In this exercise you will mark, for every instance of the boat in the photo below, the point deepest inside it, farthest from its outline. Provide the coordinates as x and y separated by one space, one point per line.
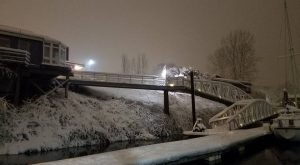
287 124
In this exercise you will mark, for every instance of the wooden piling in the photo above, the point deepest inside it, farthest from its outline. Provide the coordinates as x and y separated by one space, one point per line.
67 87
166 102
18 87
193 96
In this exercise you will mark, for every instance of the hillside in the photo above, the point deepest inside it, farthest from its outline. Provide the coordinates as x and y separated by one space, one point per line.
98 116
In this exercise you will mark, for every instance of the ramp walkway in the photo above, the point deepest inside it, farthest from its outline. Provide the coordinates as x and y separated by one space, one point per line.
243 113
214 90
243 110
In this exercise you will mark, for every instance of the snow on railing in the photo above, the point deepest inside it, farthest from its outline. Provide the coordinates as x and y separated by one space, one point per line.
222 90
14 55
119 78
255 111
243 113
219 89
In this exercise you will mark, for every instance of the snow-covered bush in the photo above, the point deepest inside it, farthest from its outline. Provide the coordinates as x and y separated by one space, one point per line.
5 109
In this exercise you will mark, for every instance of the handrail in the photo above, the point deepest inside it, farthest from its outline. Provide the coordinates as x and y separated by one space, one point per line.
254 111
119 78
243 113
222 90
218 89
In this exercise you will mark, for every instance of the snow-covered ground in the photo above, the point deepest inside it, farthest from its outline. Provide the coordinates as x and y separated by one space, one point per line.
99 116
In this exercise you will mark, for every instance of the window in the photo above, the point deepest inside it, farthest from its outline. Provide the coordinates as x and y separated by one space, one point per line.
47 52
55 55
62 55
46 61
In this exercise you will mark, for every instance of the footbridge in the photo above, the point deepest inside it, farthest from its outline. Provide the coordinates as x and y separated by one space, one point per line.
214 90
243 110
243 113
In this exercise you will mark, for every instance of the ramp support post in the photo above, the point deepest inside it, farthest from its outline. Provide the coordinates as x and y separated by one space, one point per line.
18 87
67 87
193 96
166 102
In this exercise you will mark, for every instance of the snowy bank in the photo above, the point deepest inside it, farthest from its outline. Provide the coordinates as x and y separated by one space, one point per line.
109 115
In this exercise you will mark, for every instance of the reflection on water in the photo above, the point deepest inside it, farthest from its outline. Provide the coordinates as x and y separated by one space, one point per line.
30 158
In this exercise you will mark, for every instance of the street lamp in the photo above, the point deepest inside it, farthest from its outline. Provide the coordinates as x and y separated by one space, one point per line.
90 63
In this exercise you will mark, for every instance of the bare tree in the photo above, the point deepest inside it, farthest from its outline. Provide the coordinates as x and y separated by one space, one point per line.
125 64
137 65
235 58
143 65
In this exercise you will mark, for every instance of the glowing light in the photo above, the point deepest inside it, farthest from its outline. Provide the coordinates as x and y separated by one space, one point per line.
90 62
78 67
164 72
171 85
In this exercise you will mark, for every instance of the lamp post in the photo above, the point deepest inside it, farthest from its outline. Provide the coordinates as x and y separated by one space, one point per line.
90 63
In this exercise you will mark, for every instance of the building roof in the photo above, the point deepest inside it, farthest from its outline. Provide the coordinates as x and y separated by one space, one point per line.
26 34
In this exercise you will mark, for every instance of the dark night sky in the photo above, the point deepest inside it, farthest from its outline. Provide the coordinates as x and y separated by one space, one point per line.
184 32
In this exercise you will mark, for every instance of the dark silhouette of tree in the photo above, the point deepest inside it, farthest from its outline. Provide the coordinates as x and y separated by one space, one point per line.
137 65
235 59
125 64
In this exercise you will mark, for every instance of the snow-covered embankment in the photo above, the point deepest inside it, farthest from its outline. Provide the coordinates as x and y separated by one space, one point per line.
109 115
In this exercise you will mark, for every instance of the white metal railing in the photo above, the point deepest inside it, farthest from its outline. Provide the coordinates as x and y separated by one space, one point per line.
14 55
119 78
243 113
218 89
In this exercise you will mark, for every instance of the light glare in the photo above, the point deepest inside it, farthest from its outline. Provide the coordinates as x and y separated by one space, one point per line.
164 72
91 62
78 67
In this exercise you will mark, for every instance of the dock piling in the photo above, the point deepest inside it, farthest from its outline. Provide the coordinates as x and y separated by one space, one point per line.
18 87
166 102
67 87
193 96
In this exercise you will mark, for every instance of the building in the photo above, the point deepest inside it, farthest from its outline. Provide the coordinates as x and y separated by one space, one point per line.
34 61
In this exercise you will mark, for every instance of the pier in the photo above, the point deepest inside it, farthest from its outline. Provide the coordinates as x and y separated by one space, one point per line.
209 147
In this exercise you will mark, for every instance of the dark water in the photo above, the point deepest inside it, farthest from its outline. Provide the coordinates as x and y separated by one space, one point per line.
30 158
266 151
275 152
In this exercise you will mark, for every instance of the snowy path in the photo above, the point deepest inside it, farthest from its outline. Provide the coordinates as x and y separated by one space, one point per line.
171 151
